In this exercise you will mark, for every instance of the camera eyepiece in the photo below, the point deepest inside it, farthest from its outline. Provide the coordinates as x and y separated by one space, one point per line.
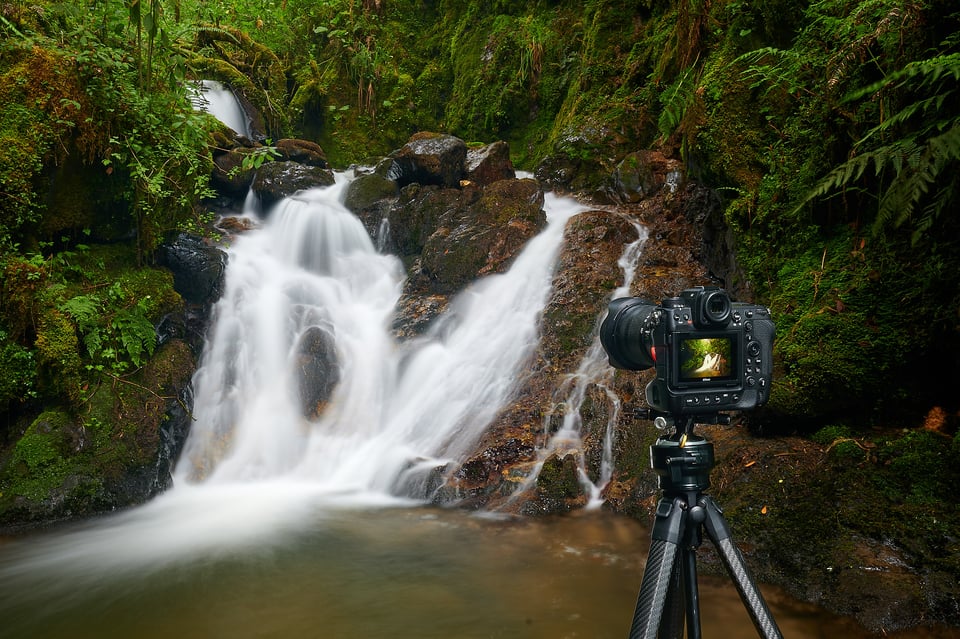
711 306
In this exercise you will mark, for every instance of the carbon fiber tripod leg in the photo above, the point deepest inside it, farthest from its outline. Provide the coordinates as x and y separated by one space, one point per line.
657 579
658 575
719 533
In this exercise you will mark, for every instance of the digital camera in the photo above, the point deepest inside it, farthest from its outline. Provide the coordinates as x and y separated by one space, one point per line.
710 354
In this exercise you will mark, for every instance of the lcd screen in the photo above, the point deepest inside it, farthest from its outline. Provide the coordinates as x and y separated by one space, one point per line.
706 359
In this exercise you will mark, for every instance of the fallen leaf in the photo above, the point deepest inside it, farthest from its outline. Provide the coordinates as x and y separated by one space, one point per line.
763 511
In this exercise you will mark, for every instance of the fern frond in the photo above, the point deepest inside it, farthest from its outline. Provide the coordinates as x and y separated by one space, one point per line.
910 186
772 67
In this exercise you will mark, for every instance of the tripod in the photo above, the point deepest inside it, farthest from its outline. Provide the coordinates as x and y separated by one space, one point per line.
683 462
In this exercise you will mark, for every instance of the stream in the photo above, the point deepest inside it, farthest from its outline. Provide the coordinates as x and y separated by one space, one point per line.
283 526
309 566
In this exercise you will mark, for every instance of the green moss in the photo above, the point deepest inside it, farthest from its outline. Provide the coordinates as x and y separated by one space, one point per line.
918 467
39 464
19 367
559 478
58 353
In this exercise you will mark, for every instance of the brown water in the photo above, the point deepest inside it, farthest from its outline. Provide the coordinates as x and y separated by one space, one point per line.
394 572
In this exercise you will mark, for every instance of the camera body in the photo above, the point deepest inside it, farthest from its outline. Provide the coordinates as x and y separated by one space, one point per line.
710 354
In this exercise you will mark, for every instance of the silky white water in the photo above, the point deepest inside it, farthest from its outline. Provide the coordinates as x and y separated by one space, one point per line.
593 370
254 470
397 406
218 100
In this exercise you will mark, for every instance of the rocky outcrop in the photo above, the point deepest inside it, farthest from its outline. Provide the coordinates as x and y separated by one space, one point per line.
452 214
280 170
429 159
277 180
198 268
317 370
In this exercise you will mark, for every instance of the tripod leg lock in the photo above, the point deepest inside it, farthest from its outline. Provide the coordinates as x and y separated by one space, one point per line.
669 523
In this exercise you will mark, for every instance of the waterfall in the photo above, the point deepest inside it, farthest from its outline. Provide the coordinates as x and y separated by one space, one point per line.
218 100
593 370
313 270
309 290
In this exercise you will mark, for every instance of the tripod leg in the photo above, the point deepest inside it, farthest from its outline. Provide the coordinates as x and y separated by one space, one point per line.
719 532
659 571
671 622
692 590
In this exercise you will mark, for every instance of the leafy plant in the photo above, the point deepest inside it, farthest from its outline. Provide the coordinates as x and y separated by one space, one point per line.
258 157
914 152
116 339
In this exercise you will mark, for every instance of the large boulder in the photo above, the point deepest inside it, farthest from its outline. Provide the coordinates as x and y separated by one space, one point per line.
302 152
277 180
119 452
369 196
488 164
462 235
198 268
429 158
483 237
318 372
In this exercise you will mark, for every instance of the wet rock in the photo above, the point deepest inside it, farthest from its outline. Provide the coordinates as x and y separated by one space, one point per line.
198 268
229 177
118 454
277 180
583 162
318 372
586 274
416 312
642 173
559 478
417 214
233 225
367 191
479 474
717 246
429 158
302 152
481 237
488 164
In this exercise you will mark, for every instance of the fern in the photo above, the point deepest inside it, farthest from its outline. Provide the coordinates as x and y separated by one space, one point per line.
923 150
136 333
128 336
85 311
775 68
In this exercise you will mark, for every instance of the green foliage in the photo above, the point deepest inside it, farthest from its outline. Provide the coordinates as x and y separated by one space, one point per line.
919 146
258 157
94 313
918 467
19 372
116 338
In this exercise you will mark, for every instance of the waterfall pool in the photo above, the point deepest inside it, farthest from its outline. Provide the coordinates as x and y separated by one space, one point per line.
312 568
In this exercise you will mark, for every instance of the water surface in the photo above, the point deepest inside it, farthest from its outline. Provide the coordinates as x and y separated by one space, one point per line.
352 572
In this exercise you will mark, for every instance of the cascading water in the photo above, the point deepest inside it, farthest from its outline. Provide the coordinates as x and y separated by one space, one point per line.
594 370
218 100
252 540
395 407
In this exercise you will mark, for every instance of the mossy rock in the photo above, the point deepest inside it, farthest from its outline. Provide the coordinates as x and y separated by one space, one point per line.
45 475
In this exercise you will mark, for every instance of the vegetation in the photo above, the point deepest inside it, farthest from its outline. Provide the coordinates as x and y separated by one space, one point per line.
830 127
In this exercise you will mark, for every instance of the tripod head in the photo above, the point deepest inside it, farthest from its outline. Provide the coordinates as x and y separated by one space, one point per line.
682 460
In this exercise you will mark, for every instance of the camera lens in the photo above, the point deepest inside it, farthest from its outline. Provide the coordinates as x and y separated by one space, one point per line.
715 307
622 334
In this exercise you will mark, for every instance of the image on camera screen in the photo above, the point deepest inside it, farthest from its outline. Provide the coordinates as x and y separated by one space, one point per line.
703 358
